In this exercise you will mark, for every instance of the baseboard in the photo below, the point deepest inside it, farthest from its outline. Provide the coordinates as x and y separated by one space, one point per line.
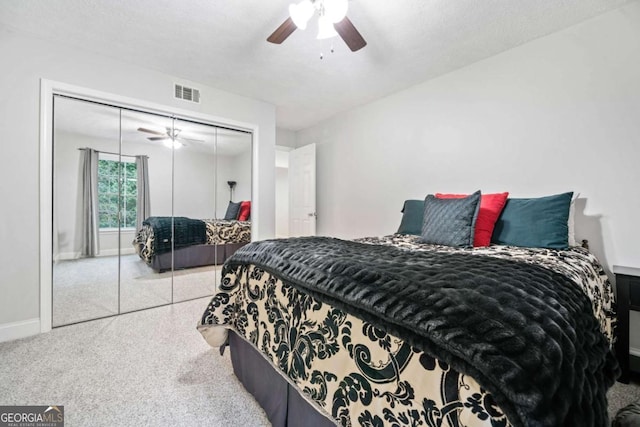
22 329
114 252
68 256
634 351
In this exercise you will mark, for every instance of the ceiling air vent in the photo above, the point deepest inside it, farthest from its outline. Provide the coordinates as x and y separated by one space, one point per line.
187 93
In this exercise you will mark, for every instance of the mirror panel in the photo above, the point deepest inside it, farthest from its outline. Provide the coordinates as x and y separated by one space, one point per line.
195 261
234 165
146 175
85 211
233 190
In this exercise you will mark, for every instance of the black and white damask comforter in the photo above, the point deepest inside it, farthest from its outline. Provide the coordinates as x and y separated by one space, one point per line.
215 232
433 336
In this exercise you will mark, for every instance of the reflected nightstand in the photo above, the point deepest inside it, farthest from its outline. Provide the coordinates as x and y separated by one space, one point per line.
628 290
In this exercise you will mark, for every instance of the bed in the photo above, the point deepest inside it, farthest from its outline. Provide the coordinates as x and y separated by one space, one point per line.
196 243
394 331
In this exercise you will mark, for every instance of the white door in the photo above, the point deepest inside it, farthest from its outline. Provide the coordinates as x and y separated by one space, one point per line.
302 191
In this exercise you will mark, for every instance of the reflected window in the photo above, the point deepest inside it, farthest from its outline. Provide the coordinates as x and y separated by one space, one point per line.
110 198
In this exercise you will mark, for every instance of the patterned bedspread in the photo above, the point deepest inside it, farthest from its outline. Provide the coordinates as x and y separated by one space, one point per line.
358 374
219 231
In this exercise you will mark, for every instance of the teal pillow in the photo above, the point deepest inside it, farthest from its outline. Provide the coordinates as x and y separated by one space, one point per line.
412 213
450 222
535 223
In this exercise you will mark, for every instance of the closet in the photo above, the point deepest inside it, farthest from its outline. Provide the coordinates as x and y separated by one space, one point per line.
118 171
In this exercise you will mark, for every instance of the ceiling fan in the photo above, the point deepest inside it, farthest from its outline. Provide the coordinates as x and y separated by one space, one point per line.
171 137
332 21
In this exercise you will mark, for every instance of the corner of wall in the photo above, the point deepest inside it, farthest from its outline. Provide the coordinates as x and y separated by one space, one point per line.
285 138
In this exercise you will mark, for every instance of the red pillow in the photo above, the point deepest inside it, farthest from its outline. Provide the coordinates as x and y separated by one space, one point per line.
491 206
245 211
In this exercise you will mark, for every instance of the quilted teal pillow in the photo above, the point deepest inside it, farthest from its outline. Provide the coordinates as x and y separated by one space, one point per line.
535 223
412 213
450 222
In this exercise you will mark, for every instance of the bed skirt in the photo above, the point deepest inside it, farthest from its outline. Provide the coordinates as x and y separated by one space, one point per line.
280 400
195 256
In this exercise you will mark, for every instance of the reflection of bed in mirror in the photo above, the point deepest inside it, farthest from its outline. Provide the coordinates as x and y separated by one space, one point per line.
112 168
196 242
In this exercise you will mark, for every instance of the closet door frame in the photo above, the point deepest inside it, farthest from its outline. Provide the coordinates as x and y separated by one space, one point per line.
49 88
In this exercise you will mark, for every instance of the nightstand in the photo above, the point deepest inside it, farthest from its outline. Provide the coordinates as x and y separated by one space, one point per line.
628 290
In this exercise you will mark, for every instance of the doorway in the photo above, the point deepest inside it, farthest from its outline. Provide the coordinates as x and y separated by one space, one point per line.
295 191
282 192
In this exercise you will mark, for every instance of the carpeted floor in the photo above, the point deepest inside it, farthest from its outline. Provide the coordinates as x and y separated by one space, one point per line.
145 368
87 288
621 395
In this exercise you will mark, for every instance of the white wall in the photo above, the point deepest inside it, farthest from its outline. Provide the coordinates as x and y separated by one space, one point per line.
242 175
282 185
556 114
285 142
225 173
285 138
193 184
27 60
282 202
234 168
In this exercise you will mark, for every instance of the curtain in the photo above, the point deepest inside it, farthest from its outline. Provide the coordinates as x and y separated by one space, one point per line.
143 210
90 241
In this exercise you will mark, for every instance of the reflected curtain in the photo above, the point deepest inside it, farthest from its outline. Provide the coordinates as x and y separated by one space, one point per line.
143 210
90 238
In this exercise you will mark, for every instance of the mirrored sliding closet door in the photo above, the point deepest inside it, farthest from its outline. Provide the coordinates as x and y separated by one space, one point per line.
232 230
146 273
139 208
86 189
206 159
194 203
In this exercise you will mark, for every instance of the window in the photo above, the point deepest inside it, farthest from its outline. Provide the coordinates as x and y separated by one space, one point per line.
115 195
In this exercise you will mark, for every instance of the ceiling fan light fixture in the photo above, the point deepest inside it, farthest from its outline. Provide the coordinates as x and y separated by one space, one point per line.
301 13
325 28
335 10
332 21
169 143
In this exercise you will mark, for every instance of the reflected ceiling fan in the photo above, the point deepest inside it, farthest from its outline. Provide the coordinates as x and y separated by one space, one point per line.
332 21
170 137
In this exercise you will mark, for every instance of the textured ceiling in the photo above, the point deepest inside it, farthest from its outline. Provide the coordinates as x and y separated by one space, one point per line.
222 43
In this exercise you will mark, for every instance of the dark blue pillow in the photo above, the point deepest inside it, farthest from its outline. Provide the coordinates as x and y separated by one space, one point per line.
535 223
450 222
232 210
412 214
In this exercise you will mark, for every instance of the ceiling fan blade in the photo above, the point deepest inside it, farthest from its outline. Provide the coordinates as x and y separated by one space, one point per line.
155 132
190 139
350 35
282 32
157 138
